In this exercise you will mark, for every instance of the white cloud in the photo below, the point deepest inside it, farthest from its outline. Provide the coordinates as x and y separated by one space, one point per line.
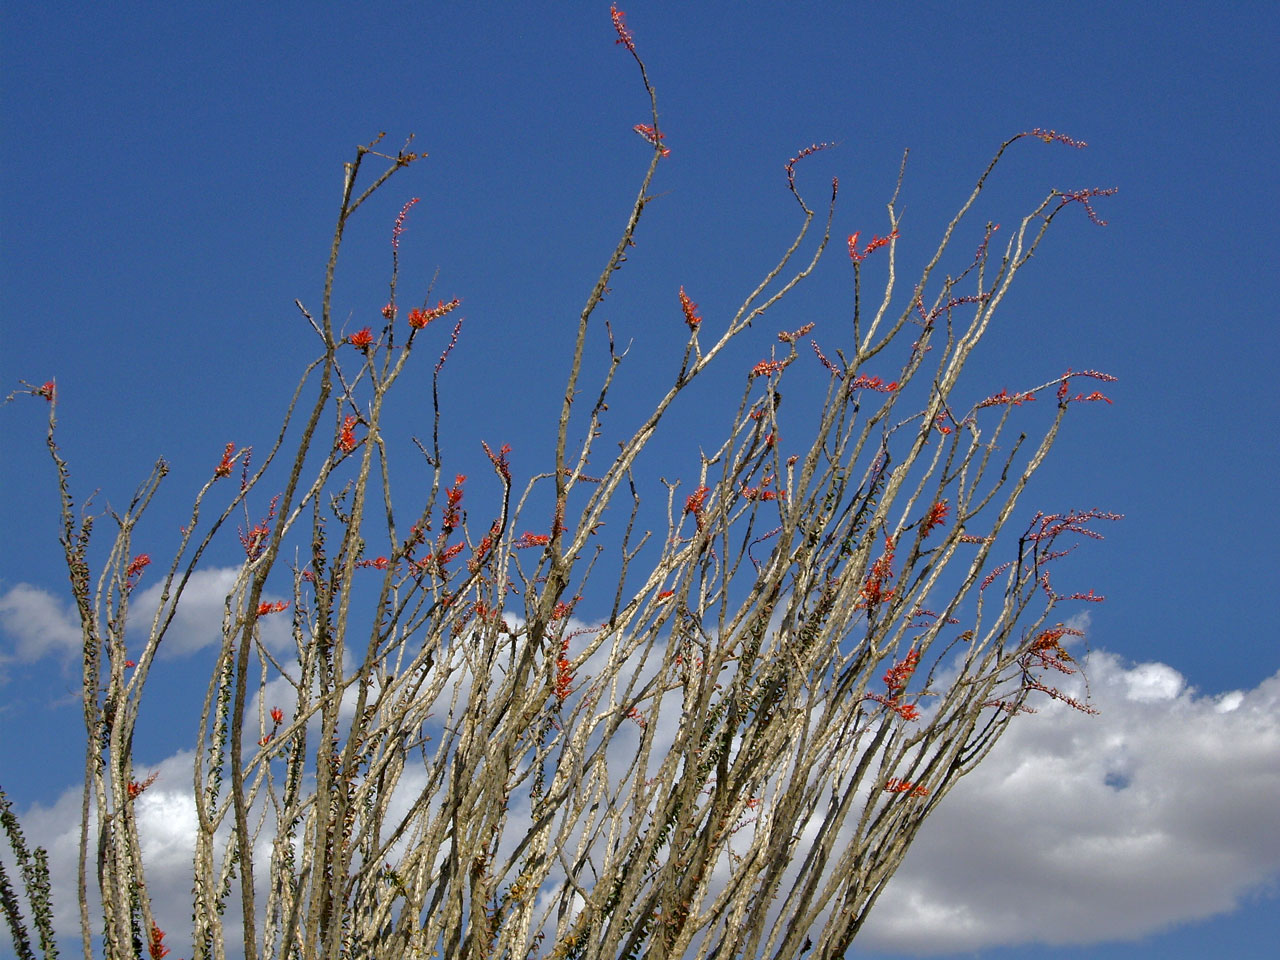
198 620
1075 830
38 623
1078 829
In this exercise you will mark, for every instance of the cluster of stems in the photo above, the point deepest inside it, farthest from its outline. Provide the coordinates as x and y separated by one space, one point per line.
730 759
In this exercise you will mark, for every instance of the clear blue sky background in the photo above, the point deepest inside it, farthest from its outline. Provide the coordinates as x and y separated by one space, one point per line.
172 171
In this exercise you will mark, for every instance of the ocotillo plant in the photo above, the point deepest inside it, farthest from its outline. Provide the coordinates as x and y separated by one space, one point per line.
801 660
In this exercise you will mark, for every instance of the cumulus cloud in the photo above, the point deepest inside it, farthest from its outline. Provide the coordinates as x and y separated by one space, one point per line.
1075 830
198 621
1078 829
39 625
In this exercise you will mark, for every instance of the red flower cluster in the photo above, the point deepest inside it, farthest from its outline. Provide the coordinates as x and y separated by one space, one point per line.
563 608
690 310
694 502
619 24
767 368
990 578
135 568
528 540
399 226
482 549
762 492
794 335
875 244
863 382
1093 374
453 499
259 533
896 785
134 788
1096 395
1052 524
347 439
48 390
279 606
1083 197
224 465
155 943
448 553
898 675
790 165
873 591
419 318
936 517
1049 136
361 338
1004 397
499 459
652 135
564 676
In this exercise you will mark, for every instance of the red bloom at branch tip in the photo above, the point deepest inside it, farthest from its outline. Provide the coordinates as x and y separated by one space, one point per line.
419 318
792 336
135 568
347 439
1004 397
449 553
881 574
224 465
936 517
897 785
258 535
1083 197
690 310
361 338
864 382
266 607
48 390
620 25
389 311
654 137
694 502
875 244
399 226
766 368
277 715
499 459
1091 597
1049 136
897 676
155 943
790 165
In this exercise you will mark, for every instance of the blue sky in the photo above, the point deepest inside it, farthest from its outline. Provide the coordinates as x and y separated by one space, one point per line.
172 178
